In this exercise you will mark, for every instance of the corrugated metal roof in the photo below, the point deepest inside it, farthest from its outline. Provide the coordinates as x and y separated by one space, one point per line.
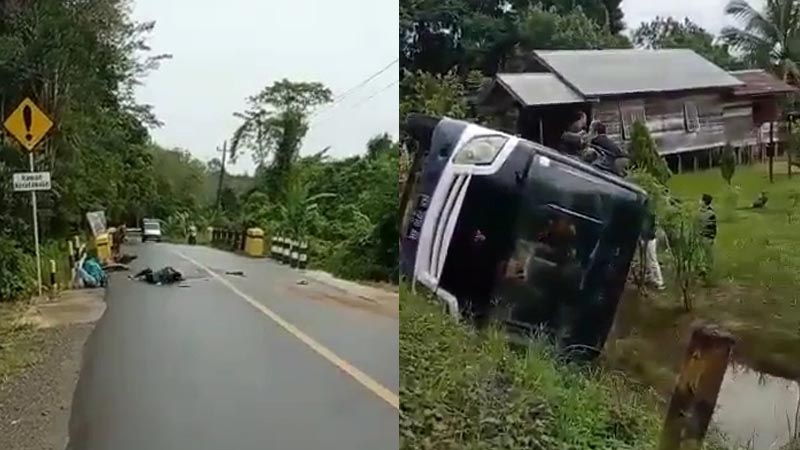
535 89
760 82
628 71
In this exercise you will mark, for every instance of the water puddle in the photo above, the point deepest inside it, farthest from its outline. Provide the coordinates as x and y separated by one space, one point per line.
756 410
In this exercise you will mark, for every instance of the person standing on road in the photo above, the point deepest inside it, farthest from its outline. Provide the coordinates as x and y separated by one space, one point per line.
192 234
708 232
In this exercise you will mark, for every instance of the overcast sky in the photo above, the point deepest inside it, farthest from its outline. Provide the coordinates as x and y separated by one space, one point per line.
226 51
706 13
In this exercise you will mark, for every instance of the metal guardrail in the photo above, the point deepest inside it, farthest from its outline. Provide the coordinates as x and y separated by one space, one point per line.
289 251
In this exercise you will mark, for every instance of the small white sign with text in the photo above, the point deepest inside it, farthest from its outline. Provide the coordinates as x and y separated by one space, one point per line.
32 181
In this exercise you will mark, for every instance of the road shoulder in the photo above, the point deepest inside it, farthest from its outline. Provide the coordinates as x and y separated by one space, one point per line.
36 396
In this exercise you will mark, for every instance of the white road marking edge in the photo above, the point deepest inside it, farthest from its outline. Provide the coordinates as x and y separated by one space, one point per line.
361 377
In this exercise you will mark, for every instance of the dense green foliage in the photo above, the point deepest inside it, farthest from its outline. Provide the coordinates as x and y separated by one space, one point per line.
727 163
644 153
346 209
439 36
667 32
463 390
767 38
273 128
79 61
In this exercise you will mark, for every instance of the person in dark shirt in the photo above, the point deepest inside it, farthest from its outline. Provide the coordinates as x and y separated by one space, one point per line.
167 275
708 232
614 158
574 139
709 218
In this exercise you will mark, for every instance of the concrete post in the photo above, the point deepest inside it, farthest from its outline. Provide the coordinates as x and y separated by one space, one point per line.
695 395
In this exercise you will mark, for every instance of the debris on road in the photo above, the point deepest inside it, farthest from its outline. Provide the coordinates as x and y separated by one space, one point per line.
237 273
302 282
90 274
116 267
125 258
167 275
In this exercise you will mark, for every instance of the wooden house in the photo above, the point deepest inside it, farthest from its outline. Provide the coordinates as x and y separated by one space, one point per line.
691 107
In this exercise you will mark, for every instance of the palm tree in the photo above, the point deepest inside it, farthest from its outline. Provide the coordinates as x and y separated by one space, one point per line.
299 210
251 132
769 39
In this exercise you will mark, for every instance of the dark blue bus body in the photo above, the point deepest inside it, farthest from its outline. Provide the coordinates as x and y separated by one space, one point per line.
502 228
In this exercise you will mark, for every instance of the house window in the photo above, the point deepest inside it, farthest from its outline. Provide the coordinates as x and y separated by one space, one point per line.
631 113
691 119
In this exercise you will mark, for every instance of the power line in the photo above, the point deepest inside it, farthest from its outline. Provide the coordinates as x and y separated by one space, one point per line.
338 99
375 94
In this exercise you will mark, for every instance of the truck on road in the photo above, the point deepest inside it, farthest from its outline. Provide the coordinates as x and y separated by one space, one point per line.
151 230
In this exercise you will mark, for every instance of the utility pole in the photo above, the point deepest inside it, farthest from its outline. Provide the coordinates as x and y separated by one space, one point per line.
221 174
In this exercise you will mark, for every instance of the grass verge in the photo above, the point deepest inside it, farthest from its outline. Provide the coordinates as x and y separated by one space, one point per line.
461 389
19 343
753 287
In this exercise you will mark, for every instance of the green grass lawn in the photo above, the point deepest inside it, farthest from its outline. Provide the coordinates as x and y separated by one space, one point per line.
753 290
461 389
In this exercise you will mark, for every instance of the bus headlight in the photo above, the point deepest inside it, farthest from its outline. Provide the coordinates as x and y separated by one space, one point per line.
480 150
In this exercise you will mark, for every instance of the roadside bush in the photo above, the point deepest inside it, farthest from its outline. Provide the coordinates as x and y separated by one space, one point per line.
17 272
463 390
644 153
683 224
727 163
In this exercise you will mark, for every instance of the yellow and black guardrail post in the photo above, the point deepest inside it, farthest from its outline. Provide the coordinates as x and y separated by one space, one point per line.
53 281
293 254
302 260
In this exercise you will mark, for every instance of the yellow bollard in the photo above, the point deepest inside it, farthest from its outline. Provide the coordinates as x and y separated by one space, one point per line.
254 243
103 246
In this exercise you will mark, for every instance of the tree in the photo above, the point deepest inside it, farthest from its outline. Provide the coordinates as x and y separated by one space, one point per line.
605 13
80 62
437 95
275 124
299 211
464 35
727 164
667 32
682 224
380 144
644 154
769 39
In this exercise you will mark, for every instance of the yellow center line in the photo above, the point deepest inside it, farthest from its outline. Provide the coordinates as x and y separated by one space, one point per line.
361 377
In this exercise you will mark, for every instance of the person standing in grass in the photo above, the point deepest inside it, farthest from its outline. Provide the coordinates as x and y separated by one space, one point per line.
708 232
649 243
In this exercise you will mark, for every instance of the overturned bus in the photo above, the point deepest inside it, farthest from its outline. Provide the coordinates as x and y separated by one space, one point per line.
503 229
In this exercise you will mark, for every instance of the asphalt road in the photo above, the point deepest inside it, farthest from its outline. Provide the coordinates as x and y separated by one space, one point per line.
237 363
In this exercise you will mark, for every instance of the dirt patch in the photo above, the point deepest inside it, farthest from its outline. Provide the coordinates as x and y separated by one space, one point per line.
71 307
346 299
41 364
